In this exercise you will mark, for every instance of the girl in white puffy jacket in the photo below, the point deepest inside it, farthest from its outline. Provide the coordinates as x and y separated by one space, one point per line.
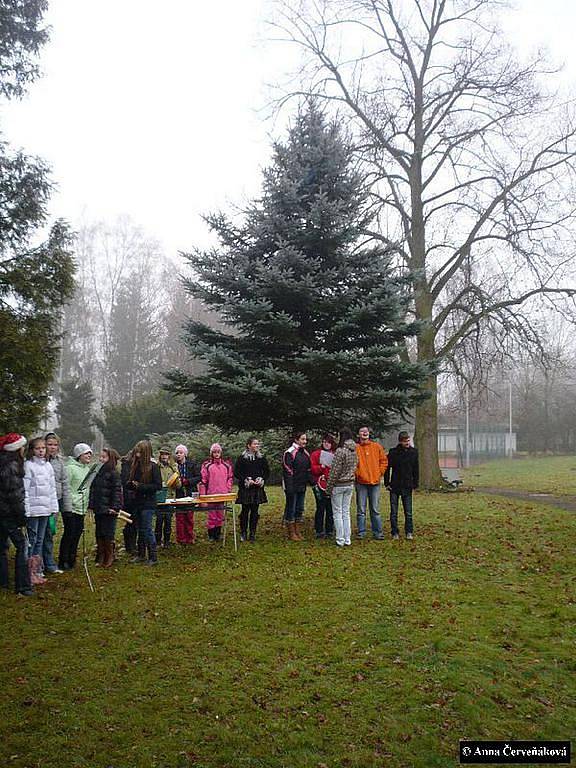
41 501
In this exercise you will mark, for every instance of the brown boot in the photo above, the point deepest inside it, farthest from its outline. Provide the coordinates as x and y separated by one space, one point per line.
108 560
291 529
298 530
99 560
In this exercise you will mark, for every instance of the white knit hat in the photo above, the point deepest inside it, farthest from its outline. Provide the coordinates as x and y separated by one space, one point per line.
80 448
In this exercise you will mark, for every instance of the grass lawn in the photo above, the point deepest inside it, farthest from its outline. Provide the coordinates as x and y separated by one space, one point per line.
548 474
302 655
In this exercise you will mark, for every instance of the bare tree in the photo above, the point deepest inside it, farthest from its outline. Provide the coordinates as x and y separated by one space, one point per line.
470 157
110 319
123 327
180 308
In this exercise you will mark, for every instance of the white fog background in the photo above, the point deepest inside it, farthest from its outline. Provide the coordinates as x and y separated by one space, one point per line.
159 111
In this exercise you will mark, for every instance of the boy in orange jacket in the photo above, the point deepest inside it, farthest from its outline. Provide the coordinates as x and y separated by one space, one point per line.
372 464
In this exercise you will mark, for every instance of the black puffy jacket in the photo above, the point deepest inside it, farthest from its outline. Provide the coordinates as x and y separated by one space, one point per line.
105 491
143 496
12 488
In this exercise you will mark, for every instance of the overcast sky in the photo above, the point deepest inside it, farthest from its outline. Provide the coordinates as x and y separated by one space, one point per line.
156 110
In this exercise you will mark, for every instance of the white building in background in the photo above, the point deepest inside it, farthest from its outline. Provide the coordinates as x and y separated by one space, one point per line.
485 442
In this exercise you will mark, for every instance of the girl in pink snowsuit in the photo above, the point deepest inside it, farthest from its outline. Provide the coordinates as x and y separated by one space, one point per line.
217 477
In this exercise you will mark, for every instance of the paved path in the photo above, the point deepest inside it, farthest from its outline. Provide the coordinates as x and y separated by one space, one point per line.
563 502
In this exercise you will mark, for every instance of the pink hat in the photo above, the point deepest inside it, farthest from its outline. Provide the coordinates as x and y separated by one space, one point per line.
215 447
12 442
181 448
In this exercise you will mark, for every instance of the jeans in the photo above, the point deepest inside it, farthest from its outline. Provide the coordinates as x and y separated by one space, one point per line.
50 564
341 500
406 497
146 538
9 531
368 494
36 527
73 527
130 531
294 509
323 519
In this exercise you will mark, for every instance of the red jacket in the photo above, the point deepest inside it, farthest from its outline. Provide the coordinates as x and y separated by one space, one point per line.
317 470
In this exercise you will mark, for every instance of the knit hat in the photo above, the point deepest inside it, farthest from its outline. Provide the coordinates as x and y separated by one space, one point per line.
79 449
181 448
12 442
215 447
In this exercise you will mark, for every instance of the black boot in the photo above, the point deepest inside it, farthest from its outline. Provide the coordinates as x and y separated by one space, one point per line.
216 533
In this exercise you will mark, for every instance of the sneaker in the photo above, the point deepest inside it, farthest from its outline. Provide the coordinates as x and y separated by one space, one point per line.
138 560
380 537
409 536
360 535
396 537
56 570
25 592
151 562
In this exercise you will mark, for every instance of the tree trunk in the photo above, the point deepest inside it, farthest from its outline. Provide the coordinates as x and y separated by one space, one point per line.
426 434
426 438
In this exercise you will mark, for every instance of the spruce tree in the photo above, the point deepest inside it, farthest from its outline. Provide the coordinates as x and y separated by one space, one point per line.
313 319
74 411
36 279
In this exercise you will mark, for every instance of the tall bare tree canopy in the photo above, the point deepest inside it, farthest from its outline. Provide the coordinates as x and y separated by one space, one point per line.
470 158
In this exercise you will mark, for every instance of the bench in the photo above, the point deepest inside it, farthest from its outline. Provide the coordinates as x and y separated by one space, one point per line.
452 477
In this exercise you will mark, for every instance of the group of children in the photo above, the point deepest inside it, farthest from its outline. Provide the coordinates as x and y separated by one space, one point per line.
38 485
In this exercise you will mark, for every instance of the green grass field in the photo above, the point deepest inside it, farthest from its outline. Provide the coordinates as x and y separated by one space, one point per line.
302 655
548 474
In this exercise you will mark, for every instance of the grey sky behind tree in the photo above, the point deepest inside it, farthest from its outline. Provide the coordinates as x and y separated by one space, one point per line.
160 114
